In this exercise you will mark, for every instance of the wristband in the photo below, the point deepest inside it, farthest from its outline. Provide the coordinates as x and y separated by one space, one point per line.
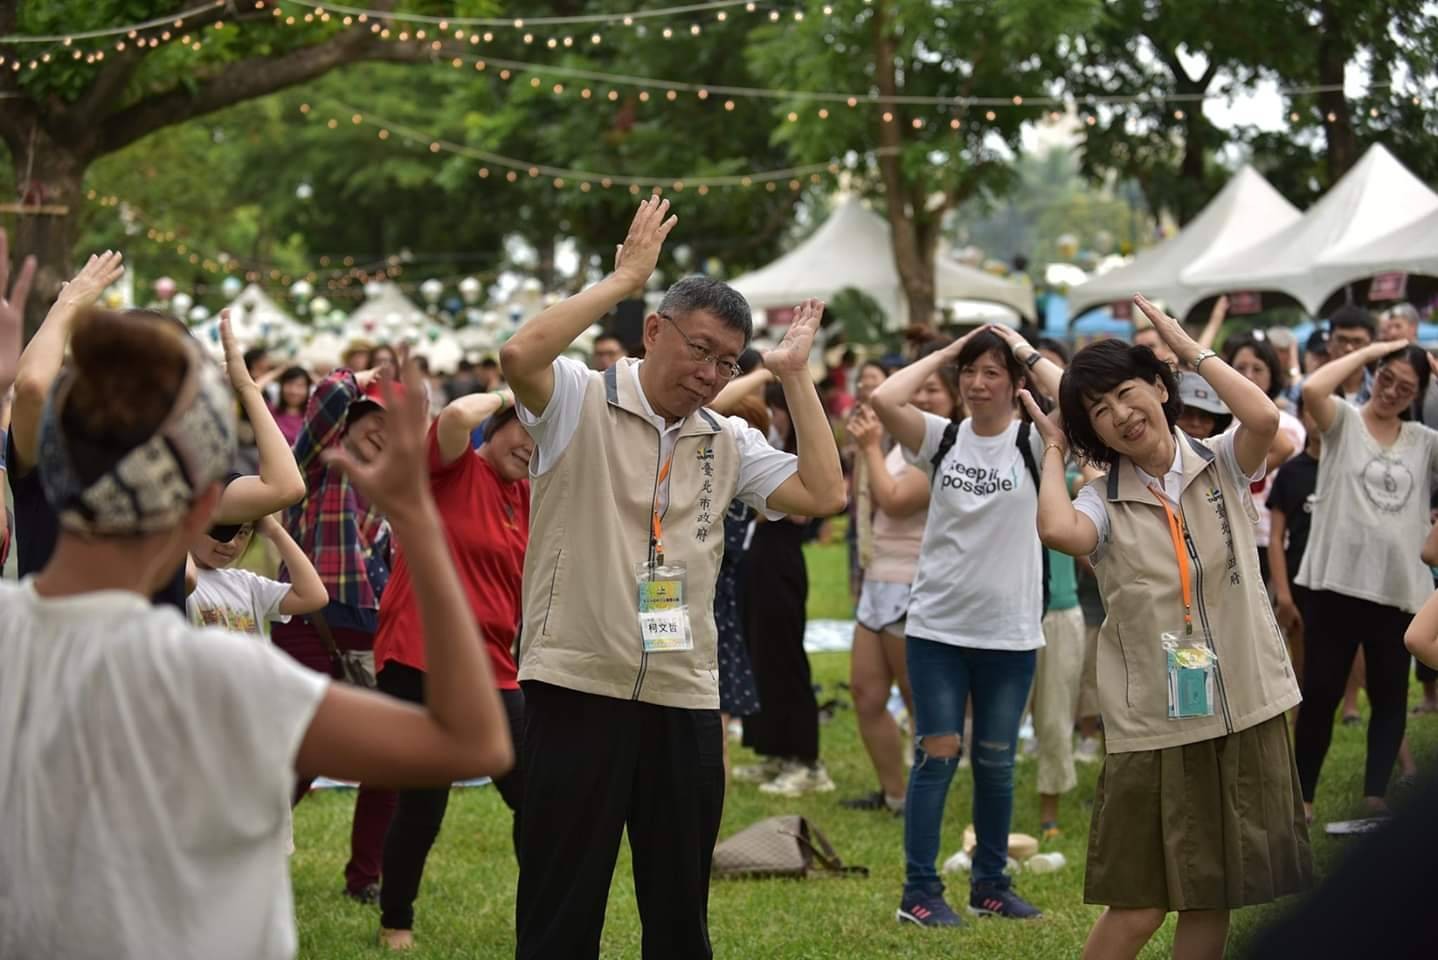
1054 445
503 401
1032 360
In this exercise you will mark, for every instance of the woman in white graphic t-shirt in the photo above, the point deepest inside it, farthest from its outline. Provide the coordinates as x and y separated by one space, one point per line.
1363 565
975 609
146 764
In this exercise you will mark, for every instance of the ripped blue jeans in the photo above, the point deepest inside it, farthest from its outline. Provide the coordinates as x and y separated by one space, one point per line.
942 677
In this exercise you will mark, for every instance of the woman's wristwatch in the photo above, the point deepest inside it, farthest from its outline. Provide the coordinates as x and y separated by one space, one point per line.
1032 360
1202 356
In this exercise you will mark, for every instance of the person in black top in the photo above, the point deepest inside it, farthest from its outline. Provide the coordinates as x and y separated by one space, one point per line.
1290 506
36 525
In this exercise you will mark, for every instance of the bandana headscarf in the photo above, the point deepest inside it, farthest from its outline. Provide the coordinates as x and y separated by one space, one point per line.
153 485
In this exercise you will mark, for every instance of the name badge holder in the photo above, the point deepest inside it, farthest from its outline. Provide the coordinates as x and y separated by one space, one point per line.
1191 682
660 592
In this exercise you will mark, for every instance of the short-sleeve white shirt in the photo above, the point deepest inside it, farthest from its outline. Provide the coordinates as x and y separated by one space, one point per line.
762 469
146 767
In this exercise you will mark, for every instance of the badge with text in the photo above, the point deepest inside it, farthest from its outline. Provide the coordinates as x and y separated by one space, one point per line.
663 613
1191 687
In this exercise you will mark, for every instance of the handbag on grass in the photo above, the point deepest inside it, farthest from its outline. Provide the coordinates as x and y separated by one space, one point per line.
788 846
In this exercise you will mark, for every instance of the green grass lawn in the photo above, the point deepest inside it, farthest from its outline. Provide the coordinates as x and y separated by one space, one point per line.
466 907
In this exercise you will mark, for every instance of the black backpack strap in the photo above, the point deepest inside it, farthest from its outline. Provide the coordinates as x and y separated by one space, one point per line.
1027 452
946 443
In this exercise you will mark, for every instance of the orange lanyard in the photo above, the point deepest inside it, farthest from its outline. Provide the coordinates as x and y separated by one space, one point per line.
1175 532
657 526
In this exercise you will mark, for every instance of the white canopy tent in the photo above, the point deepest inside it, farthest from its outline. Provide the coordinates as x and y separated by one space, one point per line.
1410 249
255 318
1306 260
1246 212
386 314
852 249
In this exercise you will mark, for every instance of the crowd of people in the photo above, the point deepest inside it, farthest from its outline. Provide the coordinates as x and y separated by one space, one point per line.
582 579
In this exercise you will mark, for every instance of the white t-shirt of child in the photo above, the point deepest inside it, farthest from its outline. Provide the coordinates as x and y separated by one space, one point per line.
236 600
980 572
145 776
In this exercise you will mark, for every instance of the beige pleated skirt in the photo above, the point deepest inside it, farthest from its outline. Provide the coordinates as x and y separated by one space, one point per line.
1214 825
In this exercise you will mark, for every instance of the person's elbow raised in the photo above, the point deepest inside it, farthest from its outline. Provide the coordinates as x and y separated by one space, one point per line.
511 360
1415 644
493 756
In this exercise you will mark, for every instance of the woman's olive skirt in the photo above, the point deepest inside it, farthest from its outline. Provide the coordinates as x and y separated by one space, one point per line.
1213 825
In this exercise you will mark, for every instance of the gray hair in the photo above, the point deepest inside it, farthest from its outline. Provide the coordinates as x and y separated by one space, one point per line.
698 292
1405 312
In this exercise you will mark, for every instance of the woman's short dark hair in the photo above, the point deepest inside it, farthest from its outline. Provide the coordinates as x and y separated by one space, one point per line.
1417 358
498 422
1263 350
990 342
1097 369
1055 347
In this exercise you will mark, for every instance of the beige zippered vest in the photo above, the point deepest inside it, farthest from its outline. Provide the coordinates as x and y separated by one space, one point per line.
589 526
1139 579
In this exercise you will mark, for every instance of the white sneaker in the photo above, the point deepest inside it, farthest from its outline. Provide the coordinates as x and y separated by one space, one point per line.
799 779
1089 750
758 772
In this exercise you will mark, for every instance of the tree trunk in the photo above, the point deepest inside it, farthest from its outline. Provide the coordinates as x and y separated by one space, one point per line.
1333 55
916 270
50 178
1195 149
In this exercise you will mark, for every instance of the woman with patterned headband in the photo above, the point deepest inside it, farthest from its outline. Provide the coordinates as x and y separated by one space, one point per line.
146 764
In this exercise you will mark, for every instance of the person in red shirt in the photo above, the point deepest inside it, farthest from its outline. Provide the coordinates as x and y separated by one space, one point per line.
483 498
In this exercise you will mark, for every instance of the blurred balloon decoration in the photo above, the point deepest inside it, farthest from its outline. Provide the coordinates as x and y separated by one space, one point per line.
302 290
471 289
320 306
181 303
431 290
199 313
165 288
231 287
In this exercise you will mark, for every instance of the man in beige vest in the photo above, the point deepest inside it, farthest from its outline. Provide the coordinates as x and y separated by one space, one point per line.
631 478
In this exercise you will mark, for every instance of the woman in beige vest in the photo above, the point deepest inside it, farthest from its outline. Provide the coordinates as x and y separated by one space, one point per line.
1198 807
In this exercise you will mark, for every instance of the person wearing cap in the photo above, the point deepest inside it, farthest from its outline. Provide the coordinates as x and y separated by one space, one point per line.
347 539
631 480
1204 412
245 498
145 763
483 497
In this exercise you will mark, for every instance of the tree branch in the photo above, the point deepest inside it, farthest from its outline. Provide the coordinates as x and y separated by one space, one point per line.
248 79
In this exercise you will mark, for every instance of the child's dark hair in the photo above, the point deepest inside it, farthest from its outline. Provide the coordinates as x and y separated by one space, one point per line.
1263 350
1097 369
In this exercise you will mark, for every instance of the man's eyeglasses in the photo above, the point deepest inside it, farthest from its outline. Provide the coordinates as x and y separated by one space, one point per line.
1349 343
727 369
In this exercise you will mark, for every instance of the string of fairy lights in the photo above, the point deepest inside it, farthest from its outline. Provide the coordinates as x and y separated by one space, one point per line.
447 38
338 271
461 42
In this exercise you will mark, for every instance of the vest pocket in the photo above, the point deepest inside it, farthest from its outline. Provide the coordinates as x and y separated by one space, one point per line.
1127 679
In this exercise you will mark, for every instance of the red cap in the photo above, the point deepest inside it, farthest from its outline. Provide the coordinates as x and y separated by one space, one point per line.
374 393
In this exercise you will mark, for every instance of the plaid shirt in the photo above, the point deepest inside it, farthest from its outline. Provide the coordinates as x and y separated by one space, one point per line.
333 524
